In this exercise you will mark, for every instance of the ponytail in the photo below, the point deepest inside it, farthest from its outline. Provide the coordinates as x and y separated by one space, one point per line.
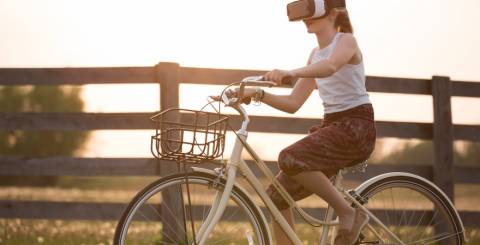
342 23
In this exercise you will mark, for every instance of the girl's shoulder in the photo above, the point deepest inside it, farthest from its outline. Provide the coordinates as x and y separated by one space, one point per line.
348 38
312 54
346 34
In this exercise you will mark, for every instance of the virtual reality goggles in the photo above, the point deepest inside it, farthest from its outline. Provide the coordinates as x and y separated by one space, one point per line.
311 9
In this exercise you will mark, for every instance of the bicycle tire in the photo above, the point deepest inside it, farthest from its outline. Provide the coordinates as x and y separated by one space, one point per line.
444 226
244 211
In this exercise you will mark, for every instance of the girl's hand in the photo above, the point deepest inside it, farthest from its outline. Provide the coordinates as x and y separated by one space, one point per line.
247 93
280 76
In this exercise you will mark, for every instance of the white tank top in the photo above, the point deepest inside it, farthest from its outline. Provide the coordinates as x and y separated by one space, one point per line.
344 89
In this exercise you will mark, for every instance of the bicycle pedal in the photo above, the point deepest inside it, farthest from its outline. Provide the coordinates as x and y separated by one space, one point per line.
367 242
360 239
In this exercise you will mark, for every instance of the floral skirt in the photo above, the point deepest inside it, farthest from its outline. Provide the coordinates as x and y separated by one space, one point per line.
343 139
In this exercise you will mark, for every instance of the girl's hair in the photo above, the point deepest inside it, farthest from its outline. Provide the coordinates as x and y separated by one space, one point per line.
342 23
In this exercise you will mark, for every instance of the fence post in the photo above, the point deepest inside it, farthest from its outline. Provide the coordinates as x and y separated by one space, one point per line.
443 135
166 74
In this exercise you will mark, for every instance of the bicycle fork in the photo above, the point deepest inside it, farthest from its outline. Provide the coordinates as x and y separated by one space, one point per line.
221 197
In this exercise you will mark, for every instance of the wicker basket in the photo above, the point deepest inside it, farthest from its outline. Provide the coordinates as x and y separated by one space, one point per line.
188 136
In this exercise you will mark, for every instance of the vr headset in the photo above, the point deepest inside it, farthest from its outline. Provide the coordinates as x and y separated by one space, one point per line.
312 9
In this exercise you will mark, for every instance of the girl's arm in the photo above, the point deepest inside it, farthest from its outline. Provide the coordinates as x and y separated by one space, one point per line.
292 102
344 52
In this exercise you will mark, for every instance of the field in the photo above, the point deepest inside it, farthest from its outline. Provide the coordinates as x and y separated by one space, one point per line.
22 231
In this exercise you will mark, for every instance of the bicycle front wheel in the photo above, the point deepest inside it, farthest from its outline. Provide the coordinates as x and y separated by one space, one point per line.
173 209
412 209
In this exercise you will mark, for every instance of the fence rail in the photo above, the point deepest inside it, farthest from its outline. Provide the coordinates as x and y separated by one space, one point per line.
120 121
132 75
109 211
169 76
71 166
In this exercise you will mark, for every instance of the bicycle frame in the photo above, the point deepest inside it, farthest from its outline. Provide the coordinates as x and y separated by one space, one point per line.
237 163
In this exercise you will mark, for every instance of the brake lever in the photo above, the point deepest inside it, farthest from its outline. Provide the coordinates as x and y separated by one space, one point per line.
260 81
252 79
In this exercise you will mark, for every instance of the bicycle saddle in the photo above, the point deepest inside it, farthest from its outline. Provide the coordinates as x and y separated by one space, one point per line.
358 167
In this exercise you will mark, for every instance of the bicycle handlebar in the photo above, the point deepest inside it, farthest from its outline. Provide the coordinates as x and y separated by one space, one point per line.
253 81
236 102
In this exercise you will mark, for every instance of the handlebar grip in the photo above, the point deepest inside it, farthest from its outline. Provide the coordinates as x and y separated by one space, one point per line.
245 100
288 80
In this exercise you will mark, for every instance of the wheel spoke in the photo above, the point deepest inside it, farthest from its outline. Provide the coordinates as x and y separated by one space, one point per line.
178 223
427 226
406 204
239 212
418 223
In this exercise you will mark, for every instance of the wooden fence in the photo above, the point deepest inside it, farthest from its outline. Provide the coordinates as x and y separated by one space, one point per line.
169 76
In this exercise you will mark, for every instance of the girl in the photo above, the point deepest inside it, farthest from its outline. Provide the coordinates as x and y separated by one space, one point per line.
347 133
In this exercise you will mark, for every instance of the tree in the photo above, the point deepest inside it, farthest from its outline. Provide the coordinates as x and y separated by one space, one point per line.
422 153
471 157
40 143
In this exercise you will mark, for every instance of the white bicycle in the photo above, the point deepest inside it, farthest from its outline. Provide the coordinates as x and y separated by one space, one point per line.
203 206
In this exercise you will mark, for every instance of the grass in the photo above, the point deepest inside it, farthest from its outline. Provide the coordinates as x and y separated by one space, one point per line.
122 189
18 231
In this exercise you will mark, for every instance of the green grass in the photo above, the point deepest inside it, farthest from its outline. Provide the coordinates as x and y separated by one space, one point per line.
122 189
18 231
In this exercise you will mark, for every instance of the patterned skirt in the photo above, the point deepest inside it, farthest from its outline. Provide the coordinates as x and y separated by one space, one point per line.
343 139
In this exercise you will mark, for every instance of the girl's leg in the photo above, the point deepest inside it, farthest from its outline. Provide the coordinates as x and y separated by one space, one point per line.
280 237
297 192
318 183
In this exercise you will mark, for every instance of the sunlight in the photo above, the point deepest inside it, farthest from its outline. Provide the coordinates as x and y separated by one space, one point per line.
247 35
121 97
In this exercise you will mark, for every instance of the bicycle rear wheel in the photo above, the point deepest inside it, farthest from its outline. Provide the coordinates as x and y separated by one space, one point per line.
413 210
147 221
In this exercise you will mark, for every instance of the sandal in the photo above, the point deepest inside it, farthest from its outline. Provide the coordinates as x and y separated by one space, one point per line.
343 237
349 237
361 219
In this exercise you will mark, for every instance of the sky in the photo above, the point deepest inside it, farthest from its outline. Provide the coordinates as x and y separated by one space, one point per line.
408 38
398 38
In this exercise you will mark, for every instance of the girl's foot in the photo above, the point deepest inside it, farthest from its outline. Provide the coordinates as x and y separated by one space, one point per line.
361 219
350 236
343 237
346 219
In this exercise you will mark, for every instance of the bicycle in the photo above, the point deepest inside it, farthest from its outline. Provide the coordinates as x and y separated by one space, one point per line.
203 206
